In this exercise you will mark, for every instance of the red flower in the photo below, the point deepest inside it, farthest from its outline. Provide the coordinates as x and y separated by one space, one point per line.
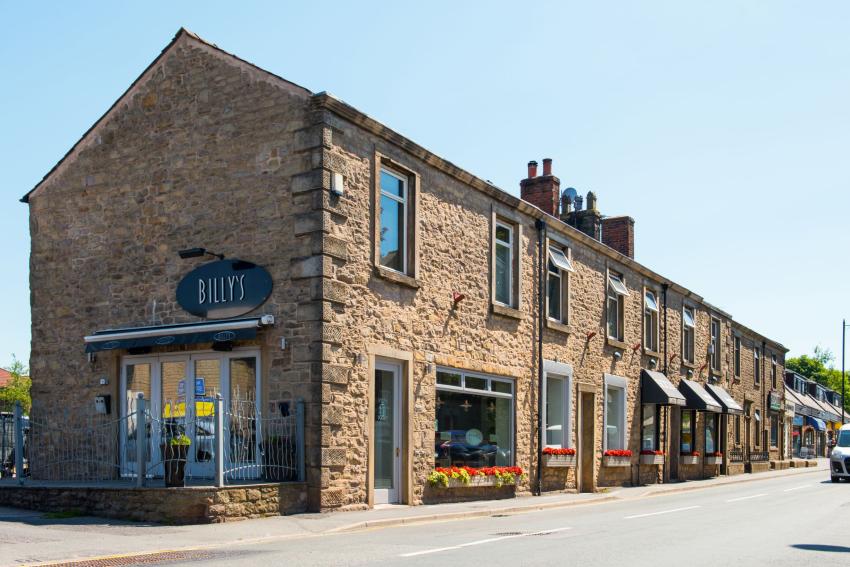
716 454
558 451
486 471
691 454
648 452
618 453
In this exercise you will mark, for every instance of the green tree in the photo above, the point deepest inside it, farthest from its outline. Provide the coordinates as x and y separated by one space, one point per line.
18 388
819 367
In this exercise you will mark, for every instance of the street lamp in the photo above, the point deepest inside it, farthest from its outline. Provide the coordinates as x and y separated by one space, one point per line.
843 335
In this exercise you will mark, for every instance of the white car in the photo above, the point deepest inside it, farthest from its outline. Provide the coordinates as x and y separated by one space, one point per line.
839 460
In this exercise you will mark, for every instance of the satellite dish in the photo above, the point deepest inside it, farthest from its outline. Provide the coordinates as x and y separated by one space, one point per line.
570 193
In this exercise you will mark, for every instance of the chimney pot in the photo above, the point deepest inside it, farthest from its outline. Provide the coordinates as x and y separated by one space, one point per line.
532 169
591 201
547 166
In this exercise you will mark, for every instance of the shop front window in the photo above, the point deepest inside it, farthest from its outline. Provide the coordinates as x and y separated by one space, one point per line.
555 420
711 433
649 428
474 425
615 417
687 432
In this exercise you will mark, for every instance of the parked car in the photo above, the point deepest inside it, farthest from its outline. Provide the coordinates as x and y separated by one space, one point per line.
839 461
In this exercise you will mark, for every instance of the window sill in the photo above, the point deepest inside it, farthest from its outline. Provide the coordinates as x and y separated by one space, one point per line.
397 277
651 353
505 311
557 326
617 344
689 365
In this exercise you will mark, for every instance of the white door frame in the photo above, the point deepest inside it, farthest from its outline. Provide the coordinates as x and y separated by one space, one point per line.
392 495
155 404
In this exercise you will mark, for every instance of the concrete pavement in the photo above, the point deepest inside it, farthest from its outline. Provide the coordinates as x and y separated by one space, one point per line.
30 537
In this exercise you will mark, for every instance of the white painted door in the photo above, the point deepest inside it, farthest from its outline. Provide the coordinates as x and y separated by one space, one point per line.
387 439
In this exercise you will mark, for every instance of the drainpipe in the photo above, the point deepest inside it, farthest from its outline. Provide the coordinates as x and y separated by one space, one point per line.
666 471
540 225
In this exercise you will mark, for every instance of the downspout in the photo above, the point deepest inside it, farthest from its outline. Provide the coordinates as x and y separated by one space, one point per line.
764 414
666 471
540 225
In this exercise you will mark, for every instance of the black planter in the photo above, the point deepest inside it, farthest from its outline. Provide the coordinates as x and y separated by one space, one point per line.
174 459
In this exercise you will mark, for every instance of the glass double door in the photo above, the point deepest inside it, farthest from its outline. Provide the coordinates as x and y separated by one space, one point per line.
180 392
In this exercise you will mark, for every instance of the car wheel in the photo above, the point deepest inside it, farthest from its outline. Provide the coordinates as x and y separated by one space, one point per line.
835 479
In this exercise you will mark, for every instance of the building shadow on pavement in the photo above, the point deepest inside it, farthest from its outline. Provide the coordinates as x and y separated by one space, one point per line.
821 547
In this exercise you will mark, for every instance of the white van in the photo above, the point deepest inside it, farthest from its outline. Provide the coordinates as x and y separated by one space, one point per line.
839 460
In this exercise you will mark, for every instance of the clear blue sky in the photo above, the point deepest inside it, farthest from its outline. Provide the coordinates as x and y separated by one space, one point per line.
723 128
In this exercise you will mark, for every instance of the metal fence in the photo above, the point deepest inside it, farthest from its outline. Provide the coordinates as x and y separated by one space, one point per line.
736 455
759 456
213 444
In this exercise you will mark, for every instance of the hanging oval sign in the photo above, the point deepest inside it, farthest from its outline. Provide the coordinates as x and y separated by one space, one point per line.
223 289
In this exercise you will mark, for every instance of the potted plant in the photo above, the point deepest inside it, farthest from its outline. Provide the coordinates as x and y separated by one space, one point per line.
458 477
559 457
617 458
715 458
174 453
650 457
691 458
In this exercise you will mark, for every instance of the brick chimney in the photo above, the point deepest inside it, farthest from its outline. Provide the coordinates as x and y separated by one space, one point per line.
542 191
619 234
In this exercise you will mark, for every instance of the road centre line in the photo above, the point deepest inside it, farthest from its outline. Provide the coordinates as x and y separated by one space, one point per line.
746 497
481 542
796 488
659 513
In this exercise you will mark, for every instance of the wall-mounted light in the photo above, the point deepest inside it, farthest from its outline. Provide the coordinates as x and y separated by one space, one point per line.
653 363
197 253
690 373
360 359
618 355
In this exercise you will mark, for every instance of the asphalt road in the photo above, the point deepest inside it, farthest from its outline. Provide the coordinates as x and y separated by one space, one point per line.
783 521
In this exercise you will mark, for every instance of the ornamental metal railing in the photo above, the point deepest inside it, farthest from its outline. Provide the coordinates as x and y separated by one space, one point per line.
736 455
759 456
210 445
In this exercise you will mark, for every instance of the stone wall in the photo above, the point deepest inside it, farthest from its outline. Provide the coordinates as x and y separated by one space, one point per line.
163 505
204 150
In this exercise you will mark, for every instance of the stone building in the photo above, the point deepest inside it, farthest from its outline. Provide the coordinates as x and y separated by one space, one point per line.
426 317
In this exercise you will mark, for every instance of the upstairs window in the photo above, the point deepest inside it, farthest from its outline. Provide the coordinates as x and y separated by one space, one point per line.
688 325
650 322
393 220
756 366
616 304
557 295
773 371
715 345
504 252
737 357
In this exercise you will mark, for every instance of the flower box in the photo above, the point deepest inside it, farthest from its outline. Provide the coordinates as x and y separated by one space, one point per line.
714 460
616 461
651 459
689 459
559 460
480 481
463 477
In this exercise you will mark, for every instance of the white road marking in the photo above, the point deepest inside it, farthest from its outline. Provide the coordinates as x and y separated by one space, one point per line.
796 488
481 542
746 497
659 513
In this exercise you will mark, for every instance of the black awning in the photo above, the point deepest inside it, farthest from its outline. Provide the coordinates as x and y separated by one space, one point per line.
697 398
726 400
190 333
655 388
